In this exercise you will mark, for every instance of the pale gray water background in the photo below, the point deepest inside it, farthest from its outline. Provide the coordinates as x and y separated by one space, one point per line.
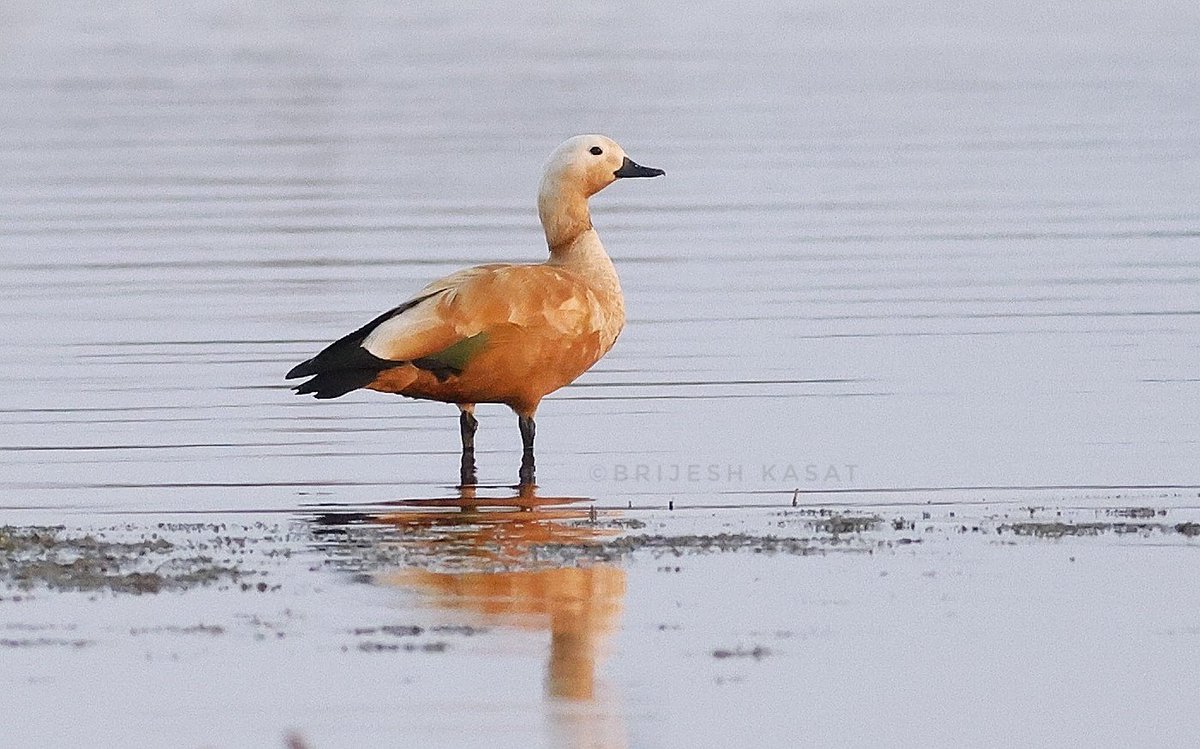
947 249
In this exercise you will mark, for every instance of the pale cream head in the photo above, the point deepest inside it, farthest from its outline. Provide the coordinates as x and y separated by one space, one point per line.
579 168
585 163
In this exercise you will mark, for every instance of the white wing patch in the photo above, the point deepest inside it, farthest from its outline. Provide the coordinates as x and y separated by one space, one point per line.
405 336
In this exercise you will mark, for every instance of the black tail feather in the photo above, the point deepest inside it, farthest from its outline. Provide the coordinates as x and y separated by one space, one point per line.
345 365
337 370
336 384
347 352
303 369
344 354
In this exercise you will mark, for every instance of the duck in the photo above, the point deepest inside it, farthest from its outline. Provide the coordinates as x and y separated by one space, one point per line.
500 333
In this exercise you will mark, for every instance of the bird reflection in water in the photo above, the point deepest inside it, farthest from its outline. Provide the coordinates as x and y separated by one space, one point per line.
508 583
497 562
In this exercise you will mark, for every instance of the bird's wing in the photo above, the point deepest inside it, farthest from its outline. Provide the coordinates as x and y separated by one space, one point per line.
346 351
455 317
443 318
477 306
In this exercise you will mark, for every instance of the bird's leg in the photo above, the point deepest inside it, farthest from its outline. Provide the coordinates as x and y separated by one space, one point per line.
467 424
526 475
527 432
466 471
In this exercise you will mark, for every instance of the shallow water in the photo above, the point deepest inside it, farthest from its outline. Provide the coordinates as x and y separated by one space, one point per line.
906 256
985 624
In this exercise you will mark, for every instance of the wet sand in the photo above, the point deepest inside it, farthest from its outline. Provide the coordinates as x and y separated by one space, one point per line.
911 354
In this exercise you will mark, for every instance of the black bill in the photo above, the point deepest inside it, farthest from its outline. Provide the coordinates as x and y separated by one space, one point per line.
630 168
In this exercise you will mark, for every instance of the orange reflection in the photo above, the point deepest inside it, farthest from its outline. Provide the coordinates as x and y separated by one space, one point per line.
578 603
483 530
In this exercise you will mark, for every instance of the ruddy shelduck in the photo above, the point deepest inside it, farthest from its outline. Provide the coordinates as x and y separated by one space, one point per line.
500 333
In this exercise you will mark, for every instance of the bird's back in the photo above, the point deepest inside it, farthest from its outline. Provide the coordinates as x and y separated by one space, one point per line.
514 332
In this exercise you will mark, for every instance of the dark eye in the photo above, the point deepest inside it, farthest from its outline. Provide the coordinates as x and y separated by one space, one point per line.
595 150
